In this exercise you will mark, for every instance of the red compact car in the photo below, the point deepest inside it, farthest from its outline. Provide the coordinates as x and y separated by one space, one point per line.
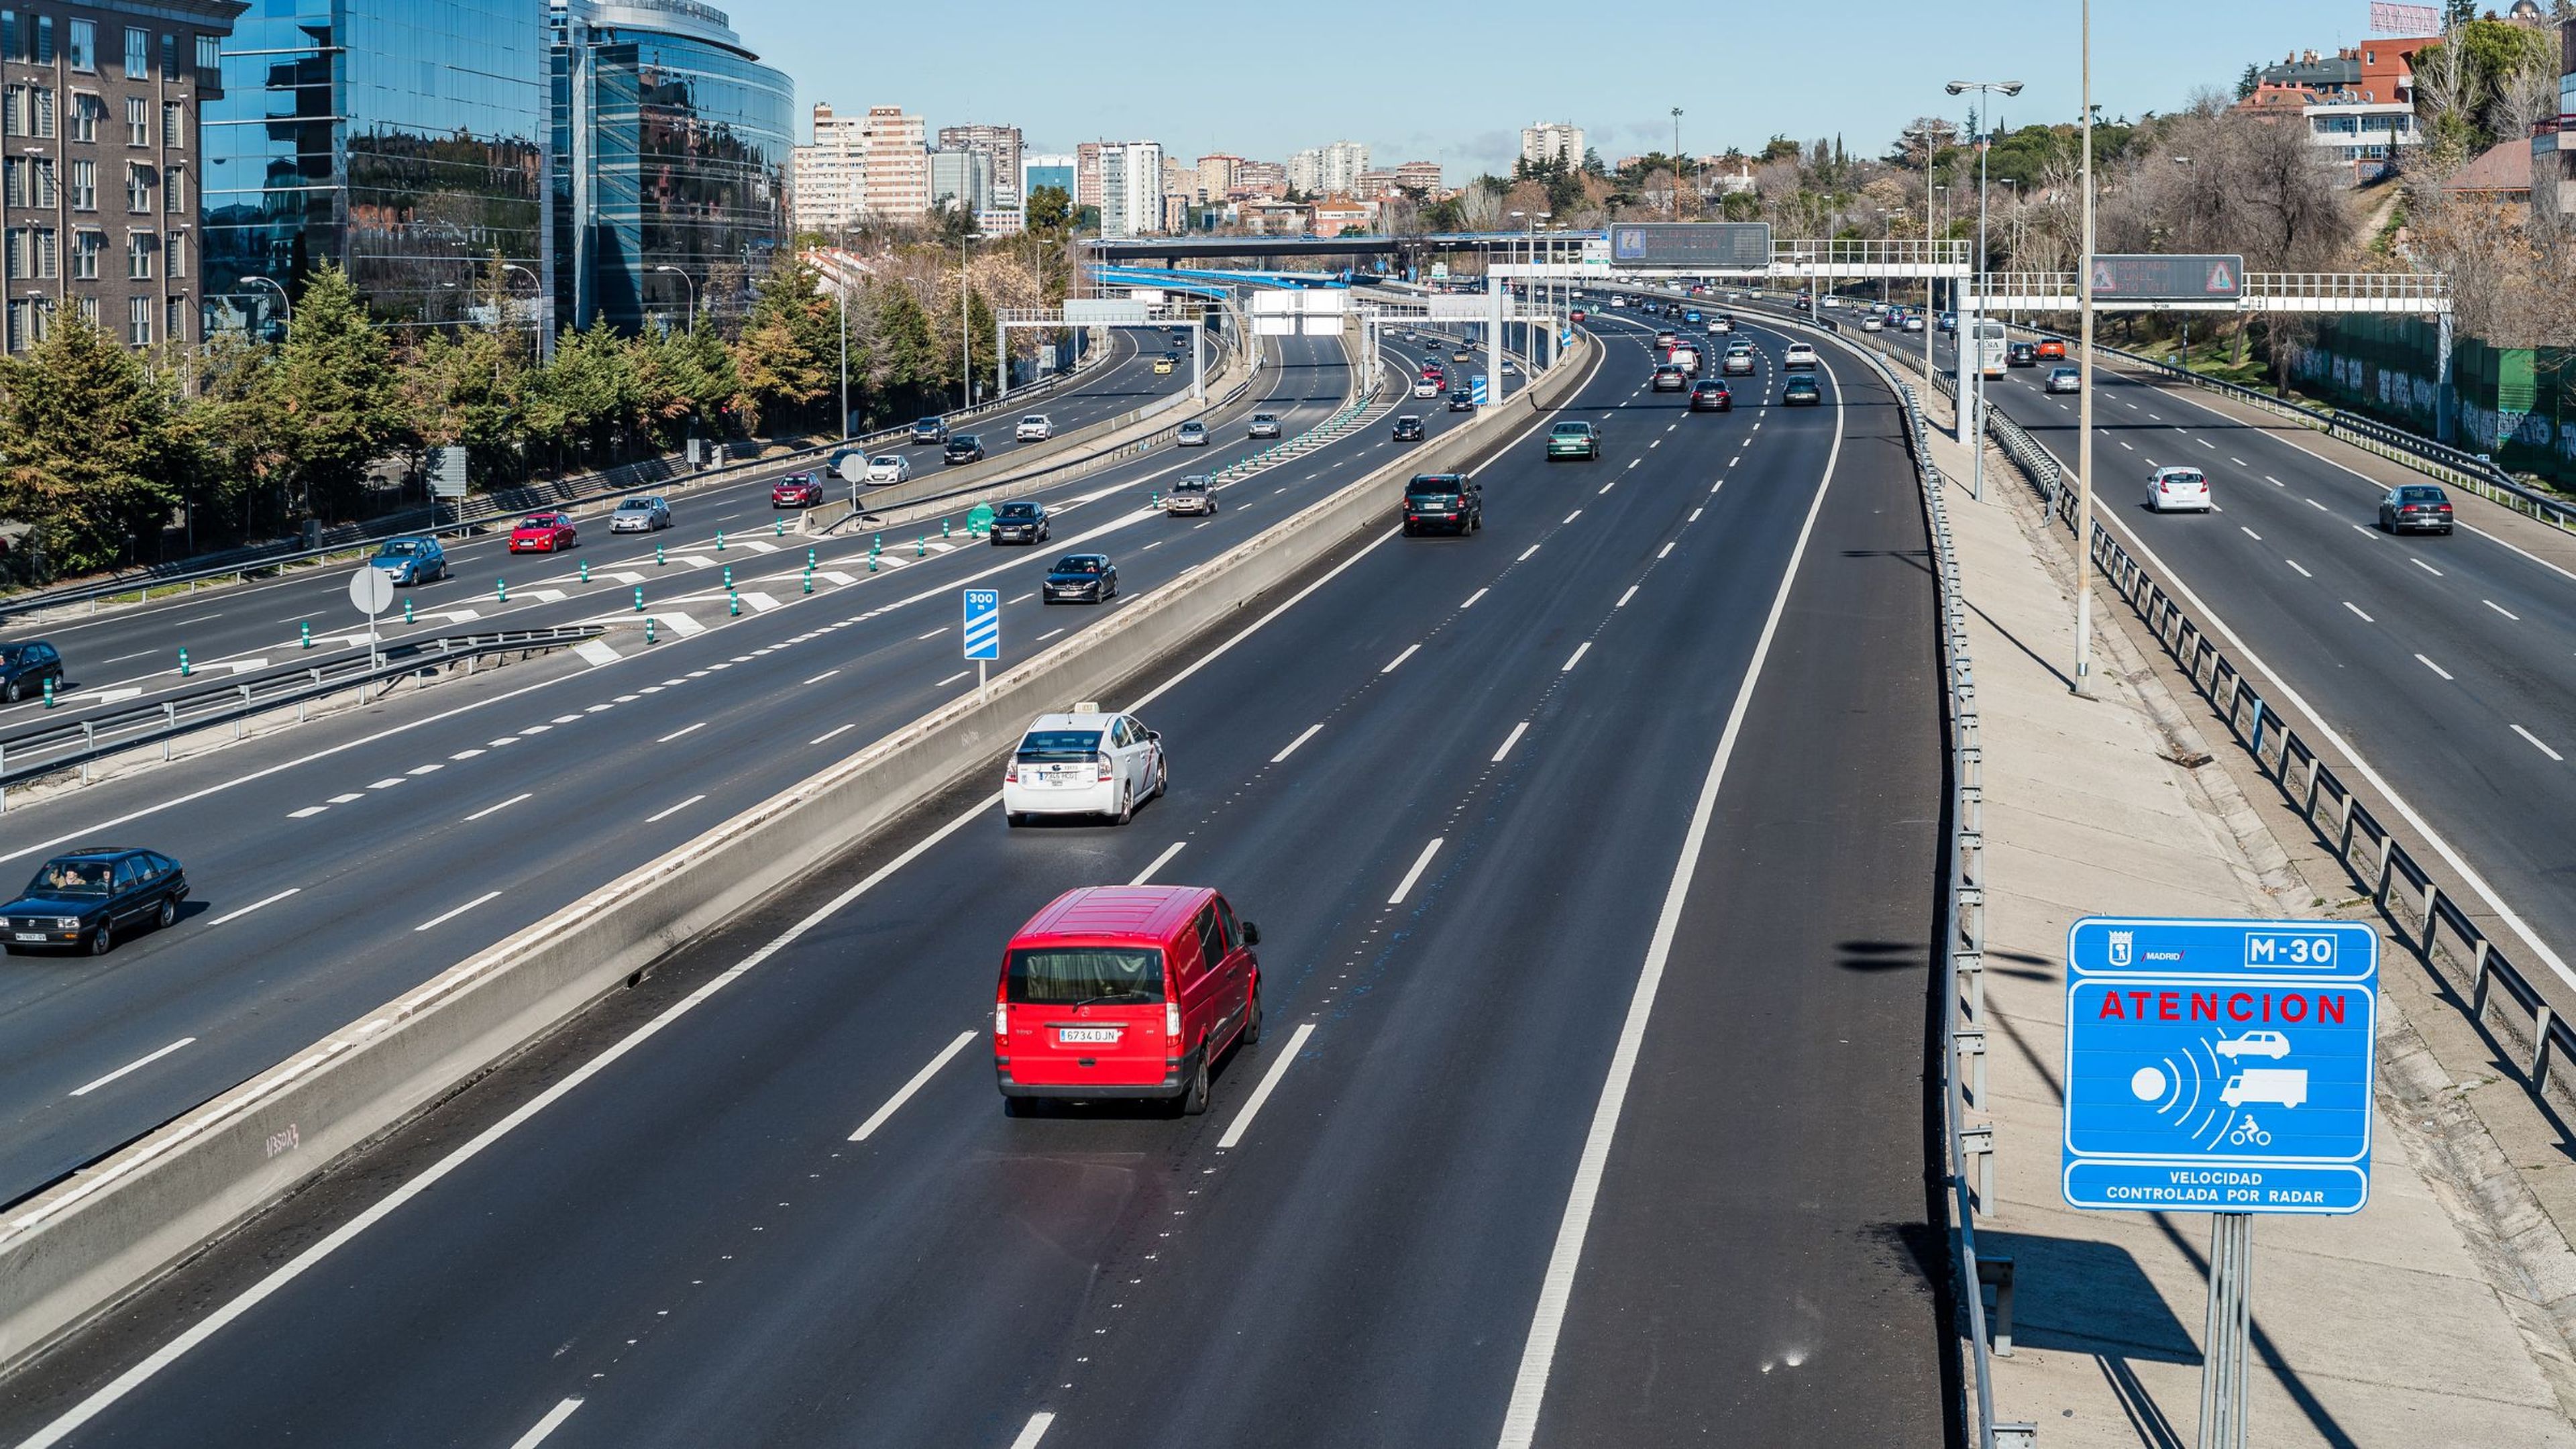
543 533
1125 991
2050 348
797 490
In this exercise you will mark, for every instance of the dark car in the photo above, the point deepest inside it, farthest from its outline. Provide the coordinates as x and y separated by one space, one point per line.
1408 429
1708 395
1443 503
929 431
1800 391
24 668
80 900
1020 522
2021 354
963 448
797 490
1080 576
1670 377
1461 401
2415 508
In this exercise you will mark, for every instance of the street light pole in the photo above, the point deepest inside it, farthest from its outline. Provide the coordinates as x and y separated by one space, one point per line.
1973 418
965 333
285 307
2084 396
693 293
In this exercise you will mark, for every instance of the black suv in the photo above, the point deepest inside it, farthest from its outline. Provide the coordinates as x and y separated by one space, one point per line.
1443 502
1461 400
24 668
963 448
1021 522
79 900
929 431
2021 354
1408 429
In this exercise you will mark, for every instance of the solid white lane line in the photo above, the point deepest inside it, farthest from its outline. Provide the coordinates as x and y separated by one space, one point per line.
553 1420
444 917
1420 863
2249 533
1158 862
1556 1287
2436 668
827 734
1035 1430
504 805
1624 598
675 734
952 679
1400 658
1269 1082
2501 609
135 1065
1510 740
2356 609
660 816
2294 563
1472 598
1042 638
1525 554
2536 744
1575 658
236 915
920 1079
2428 568
819 678
1311 731
933 634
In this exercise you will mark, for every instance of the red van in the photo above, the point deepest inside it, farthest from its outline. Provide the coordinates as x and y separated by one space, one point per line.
1124 991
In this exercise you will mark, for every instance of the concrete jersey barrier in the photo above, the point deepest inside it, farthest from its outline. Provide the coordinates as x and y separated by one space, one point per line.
76 1249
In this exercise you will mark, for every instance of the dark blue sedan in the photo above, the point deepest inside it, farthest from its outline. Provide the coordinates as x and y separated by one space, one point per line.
80 900
1081 578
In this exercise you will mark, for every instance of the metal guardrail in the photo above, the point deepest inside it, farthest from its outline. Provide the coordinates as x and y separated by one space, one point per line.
83 742
589 487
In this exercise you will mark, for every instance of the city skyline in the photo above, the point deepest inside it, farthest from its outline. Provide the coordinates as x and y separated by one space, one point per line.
2144 61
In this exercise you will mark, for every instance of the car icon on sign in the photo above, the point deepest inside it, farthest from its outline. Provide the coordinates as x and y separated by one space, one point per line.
2255 1044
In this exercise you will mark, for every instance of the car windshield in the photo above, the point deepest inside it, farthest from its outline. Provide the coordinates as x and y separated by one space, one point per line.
636 505
1263 418
541 520
1076 975
12 653
1016 510
399 548
887 460
1059 744
71 878
1190 485
1032 418
1077 565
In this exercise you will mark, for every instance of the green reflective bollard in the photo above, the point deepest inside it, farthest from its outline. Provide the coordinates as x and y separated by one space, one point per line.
648 629
304 632
876 543
183 661
779 528
921 547
639 598
719 540
943 528
733 604
406 611
501 589
809 560
809 581
658 560
728 573
585 571
49 691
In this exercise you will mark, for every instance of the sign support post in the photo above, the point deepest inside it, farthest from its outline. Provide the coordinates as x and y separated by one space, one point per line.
2225 1337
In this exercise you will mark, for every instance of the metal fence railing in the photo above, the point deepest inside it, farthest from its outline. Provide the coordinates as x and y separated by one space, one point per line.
46 749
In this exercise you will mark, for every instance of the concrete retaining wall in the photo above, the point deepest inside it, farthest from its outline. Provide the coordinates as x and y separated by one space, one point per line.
76 1249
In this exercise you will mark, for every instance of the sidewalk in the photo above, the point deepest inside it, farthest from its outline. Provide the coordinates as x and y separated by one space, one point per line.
2377 1329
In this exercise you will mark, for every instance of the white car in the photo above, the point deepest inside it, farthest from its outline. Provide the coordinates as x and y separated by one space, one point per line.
1872 324
1425 387
1088 762
889 468
1800 354
1263 425
2173 488
1190 435
1720 326
1913 323
2255 1044
642 513
1035 428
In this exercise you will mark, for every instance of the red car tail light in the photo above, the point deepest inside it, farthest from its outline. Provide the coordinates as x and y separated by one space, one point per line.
1103 762
1172 1021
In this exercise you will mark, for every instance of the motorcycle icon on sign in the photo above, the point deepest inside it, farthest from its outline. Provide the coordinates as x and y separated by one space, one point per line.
2277 1086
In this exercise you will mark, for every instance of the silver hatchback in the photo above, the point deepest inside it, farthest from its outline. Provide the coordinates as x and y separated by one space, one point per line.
640 514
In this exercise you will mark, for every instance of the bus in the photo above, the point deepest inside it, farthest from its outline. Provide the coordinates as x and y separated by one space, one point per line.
1990 347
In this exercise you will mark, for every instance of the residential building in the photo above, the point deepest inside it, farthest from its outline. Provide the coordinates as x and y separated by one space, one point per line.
2500 173
103 104
1216 172
2553 142
1276 218
1176 211
962 179
1086 174
1336 215
1543 141
2327 75
1321 169
1380 182
1131 188
1001 143
2361 137
405 141
1178 175
1052 170
672 151
1259 178
829 176
894 165
1421 176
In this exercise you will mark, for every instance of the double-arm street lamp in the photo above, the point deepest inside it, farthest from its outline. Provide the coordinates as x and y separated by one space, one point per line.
1972 416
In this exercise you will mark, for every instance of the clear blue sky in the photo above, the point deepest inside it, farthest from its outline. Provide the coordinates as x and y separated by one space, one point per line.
1454 83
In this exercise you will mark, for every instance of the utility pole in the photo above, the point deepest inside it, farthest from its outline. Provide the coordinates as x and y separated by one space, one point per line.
2084 397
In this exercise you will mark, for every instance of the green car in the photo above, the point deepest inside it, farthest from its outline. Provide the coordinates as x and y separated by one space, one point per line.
1573 440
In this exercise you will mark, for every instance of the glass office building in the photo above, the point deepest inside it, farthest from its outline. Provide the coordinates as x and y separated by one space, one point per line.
672 144
404 140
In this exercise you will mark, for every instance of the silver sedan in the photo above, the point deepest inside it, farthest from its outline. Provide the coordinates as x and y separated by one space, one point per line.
640 514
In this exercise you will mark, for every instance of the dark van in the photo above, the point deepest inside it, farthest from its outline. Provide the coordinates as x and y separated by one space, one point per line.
1124 992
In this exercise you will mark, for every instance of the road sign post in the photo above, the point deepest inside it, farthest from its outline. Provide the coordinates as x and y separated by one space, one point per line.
2221 1067
983 631
371 589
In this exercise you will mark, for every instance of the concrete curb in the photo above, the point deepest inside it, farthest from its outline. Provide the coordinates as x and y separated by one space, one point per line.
76 1249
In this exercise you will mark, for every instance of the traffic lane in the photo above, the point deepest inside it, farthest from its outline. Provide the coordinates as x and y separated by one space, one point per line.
1285 686
723 760
1738 1281
245 619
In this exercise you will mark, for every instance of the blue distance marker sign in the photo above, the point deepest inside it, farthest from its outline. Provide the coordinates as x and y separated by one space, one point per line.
2219 1066
983 633
1476 389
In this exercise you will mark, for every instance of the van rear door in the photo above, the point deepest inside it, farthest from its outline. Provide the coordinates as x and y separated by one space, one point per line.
1087 1015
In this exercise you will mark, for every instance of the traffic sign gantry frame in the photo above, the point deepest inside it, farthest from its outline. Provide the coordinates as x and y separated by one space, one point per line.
2219 1065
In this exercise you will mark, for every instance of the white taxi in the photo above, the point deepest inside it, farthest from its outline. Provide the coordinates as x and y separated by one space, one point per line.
1088 762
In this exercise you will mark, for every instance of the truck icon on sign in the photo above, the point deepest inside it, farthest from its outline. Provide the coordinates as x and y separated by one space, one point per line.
2279 1086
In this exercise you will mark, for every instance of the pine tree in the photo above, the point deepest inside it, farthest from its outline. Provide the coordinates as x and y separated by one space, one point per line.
92 455
336 393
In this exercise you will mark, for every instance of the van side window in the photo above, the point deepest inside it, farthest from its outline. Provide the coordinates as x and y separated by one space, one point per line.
1211 938
1233 931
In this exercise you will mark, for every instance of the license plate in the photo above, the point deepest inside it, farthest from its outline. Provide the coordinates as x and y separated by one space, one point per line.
1096 1035
28 935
